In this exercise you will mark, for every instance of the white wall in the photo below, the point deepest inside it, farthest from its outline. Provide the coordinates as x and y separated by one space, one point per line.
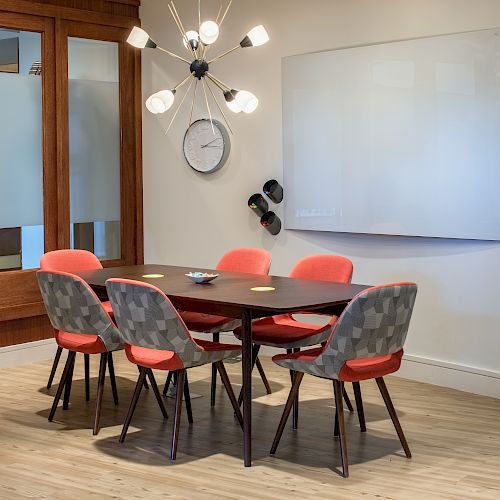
191 219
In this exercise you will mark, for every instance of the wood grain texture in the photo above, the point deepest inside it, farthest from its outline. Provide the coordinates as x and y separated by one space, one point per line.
20 331
454 437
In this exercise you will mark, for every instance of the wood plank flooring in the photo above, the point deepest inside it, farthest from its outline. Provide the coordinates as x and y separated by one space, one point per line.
454 438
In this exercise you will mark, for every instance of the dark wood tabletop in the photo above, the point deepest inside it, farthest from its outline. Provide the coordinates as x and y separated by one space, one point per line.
230 292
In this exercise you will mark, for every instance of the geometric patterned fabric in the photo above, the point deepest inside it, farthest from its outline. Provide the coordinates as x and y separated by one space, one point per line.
374 323
73 307
146 318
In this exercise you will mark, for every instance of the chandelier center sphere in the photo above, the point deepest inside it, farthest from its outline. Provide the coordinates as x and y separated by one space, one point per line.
198 67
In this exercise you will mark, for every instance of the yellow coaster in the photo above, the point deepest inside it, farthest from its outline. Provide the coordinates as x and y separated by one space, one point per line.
153 275
262 289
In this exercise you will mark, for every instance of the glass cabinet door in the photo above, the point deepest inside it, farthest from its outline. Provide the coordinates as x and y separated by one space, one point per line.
21 150
94 146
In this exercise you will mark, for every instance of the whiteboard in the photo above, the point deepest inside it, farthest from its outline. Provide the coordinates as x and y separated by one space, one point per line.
396 138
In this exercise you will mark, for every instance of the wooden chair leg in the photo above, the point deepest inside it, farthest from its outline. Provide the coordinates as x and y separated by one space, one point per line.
67 385
347 400
100 390
54 367
286 412
338 391
156 391
295 414
263 376
359 406
111 368
336 426
181 377
255 353
57 397
394 417
86 361
167 383
133 403
230 392
187 400
213 384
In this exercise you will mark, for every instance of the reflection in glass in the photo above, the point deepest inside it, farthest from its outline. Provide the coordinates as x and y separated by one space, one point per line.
94 146
21 181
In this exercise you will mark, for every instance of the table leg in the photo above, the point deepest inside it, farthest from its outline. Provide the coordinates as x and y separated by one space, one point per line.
246 367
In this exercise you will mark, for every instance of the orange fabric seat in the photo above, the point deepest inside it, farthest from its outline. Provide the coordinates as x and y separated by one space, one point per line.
80 342
200 322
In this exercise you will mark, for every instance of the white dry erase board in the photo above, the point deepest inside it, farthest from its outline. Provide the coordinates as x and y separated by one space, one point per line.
395 138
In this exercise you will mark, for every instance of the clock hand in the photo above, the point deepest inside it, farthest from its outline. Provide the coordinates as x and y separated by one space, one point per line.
214 146
216 139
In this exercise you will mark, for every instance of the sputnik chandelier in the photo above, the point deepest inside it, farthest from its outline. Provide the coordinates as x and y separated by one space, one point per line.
198 43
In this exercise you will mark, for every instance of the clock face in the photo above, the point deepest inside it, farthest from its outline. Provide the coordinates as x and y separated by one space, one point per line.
206 150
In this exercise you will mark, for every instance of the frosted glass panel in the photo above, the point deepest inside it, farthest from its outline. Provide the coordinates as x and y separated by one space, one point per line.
94 146
395 138
21 163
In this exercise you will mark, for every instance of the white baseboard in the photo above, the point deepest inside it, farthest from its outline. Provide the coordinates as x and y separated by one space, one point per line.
430 371
31 352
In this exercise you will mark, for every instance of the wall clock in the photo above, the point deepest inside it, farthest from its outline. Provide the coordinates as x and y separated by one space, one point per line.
205 151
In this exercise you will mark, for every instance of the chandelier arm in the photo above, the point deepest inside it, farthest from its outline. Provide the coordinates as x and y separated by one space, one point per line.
218 14
220 109
219 83
224 54
172 54
180 84
225 13
183 34
192 104
179 107
208 106
182 26
199 15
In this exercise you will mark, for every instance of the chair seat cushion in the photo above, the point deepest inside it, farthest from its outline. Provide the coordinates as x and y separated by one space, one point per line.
354 370
208 323
283 331
107 307
80 342
167 360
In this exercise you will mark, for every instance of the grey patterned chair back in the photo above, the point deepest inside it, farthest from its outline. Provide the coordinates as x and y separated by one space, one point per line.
73 307
374 323
146 318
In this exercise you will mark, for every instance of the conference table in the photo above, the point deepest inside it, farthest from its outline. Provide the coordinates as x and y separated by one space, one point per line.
235 295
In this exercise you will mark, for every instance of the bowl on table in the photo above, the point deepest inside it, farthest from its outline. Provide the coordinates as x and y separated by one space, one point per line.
199 277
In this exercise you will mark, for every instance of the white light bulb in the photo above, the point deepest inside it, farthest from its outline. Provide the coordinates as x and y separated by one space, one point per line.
258 36
246 101
190 35
160 101
233 106
138 38
209 32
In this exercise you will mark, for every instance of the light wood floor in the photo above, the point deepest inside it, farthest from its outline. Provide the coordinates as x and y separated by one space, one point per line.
454 437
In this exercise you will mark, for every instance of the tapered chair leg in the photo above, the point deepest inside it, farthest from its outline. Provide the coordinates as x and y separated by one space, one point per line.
187 400
100 390
181 377
133 403
347 400
146 386
157 394
86 361
230 392
295 414
67 385
54 367
255 353
57 397
394 417
167 383
111 368
263 376
359 406
213 385
338 390
286 412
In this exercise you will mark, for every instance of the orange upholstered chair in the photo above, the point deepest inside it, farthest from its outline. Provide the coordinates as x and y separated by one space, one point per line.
366 342
284 331
156 337
71 261
239 260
